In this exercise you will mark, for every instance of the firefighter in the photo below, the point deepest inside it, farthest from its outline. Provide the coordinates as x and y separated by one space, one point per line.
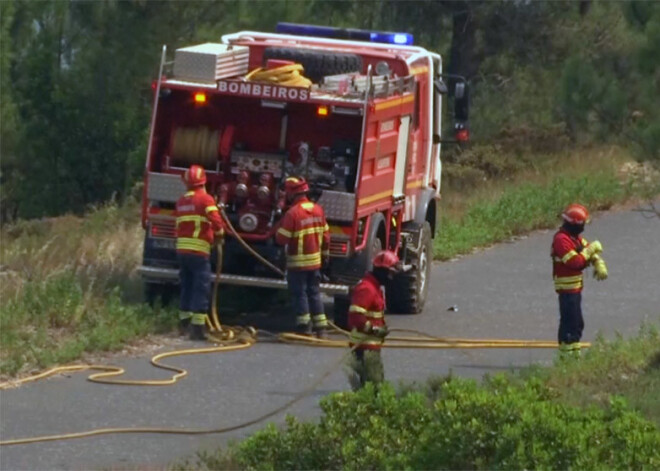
306 235
197 222
571 254
366 320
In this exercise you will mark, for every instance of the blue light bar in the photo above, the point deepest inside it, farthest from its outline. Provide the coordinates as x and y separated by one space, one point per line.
401 39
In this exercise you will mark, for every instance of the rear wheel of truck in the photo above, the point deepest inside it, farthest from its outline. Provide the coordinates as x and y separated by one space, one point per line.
316 64
408 291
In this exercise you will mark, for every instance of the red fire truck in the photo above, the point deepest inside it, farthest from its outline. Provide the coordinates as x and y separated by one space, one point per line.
364 129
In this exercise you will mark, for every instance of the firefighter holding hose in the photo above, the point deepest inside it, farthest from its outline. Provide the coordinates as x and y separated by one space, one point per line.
366 320
571 254
306 235
198 223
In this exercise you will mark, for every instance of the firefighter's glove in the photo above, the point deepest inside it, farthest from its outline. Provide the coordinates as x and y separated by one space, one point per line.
592 249
600 268
380 332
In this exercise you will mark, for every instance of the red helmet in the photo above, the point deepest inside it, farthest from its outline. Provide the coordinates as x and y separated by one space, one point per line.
386 259
576 214
295 185
194 176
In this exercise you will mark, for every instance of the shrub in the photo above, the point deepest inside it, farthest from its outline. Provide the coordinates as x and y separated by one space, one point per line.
497 425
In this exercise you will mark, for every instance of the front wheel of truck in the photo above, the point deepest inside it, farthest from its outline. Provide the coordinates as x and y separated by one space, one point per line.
408 291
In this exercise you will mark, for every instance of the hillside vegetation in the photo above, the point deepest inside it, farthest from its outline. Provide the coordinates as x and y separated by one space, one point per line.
76 97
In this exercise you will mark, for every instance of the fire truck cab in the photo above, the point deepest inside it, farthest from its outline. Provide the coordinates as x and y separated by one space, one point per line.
364 130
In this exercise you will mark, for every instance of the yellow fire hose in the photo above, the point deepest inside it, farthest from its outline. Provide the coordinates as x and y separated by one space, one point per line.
231 338
289 75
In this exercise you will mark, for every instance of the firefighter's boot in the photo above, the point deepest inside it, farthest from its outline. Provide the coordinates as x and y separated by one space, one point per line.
304 329
569 351
320 326
184 322
304 324
198 327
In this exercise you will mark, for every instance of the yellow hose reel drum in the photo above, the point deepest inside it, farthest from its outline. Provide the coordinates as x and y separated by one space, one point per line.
195 146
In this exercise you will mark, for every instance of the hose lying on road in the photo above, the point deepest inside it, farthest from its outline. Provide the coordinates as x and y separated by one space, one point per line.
232 338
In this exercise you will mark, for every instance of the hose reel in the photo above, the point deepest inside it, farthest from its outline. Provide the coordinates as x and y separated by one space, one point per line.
195 146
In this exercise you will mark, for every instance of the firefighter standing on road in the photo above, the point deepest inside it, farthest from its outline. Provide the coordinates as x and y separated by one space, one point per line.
366 320
197 222
306 235
571 254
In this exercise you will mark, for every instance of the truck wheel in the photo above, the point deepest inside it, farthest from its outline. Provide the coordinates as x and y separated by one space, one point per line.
340 311
155 291
407 294
317 64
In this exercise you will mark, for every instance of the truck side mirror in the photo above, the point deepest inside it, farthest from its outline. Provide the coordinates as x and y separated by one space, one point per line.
440 86
461 111
461 101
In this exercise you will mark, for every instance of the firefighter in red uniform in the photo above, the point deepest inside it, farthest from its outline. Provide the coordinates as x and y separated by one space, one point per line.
366 320
197 222
571 254
306 235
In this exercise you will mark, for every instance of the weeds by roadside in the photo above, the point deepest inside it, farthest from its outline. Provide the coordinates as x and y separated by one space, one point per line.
507 201
68 288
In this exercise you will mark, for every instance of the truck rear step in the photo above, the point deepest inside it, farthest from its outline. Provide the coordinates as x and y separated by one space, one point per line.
171 274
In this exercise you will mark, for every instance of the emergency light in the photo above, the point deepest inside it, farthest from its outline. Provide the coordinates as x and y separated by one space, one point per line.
200 98
402 39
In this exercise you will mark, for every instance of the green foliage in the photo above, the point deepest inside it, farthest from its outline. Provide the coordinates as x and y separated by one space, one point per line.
75 77
522 208
57 320
500 425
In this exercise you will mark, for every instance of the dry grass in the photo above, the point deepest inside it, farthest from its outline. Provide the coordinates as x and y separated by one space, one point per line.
101 250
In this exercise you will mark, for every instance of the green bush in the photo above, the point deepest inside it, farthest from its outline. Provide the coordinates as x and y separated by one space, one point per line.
500 425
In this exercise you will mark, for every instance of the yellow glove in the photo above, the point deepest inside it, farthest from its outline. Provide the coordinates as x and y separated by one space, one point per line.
592 249
600 268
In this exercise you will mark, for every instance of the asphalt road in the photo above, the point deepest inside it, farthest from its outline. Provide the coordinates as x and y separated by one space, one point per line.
502 292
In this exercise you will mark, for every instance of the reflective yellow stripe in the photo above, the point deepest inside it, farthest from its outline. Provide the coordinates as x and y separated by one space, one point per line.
183 315
198 319
210 209
377 196
189 193
568 282
307 205
294 262
364 339
568 279
308 231
303 319
364 312
356 308
284 232
187 243
568 256
191 218
320 320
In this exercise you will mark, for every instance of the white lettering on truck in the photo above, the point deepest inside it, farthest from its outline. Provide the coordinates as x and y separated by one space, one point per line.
264 91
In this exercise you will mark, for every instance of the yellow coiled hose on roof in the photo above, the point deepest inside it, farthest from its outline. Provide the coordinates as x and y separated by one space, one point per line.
289 75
